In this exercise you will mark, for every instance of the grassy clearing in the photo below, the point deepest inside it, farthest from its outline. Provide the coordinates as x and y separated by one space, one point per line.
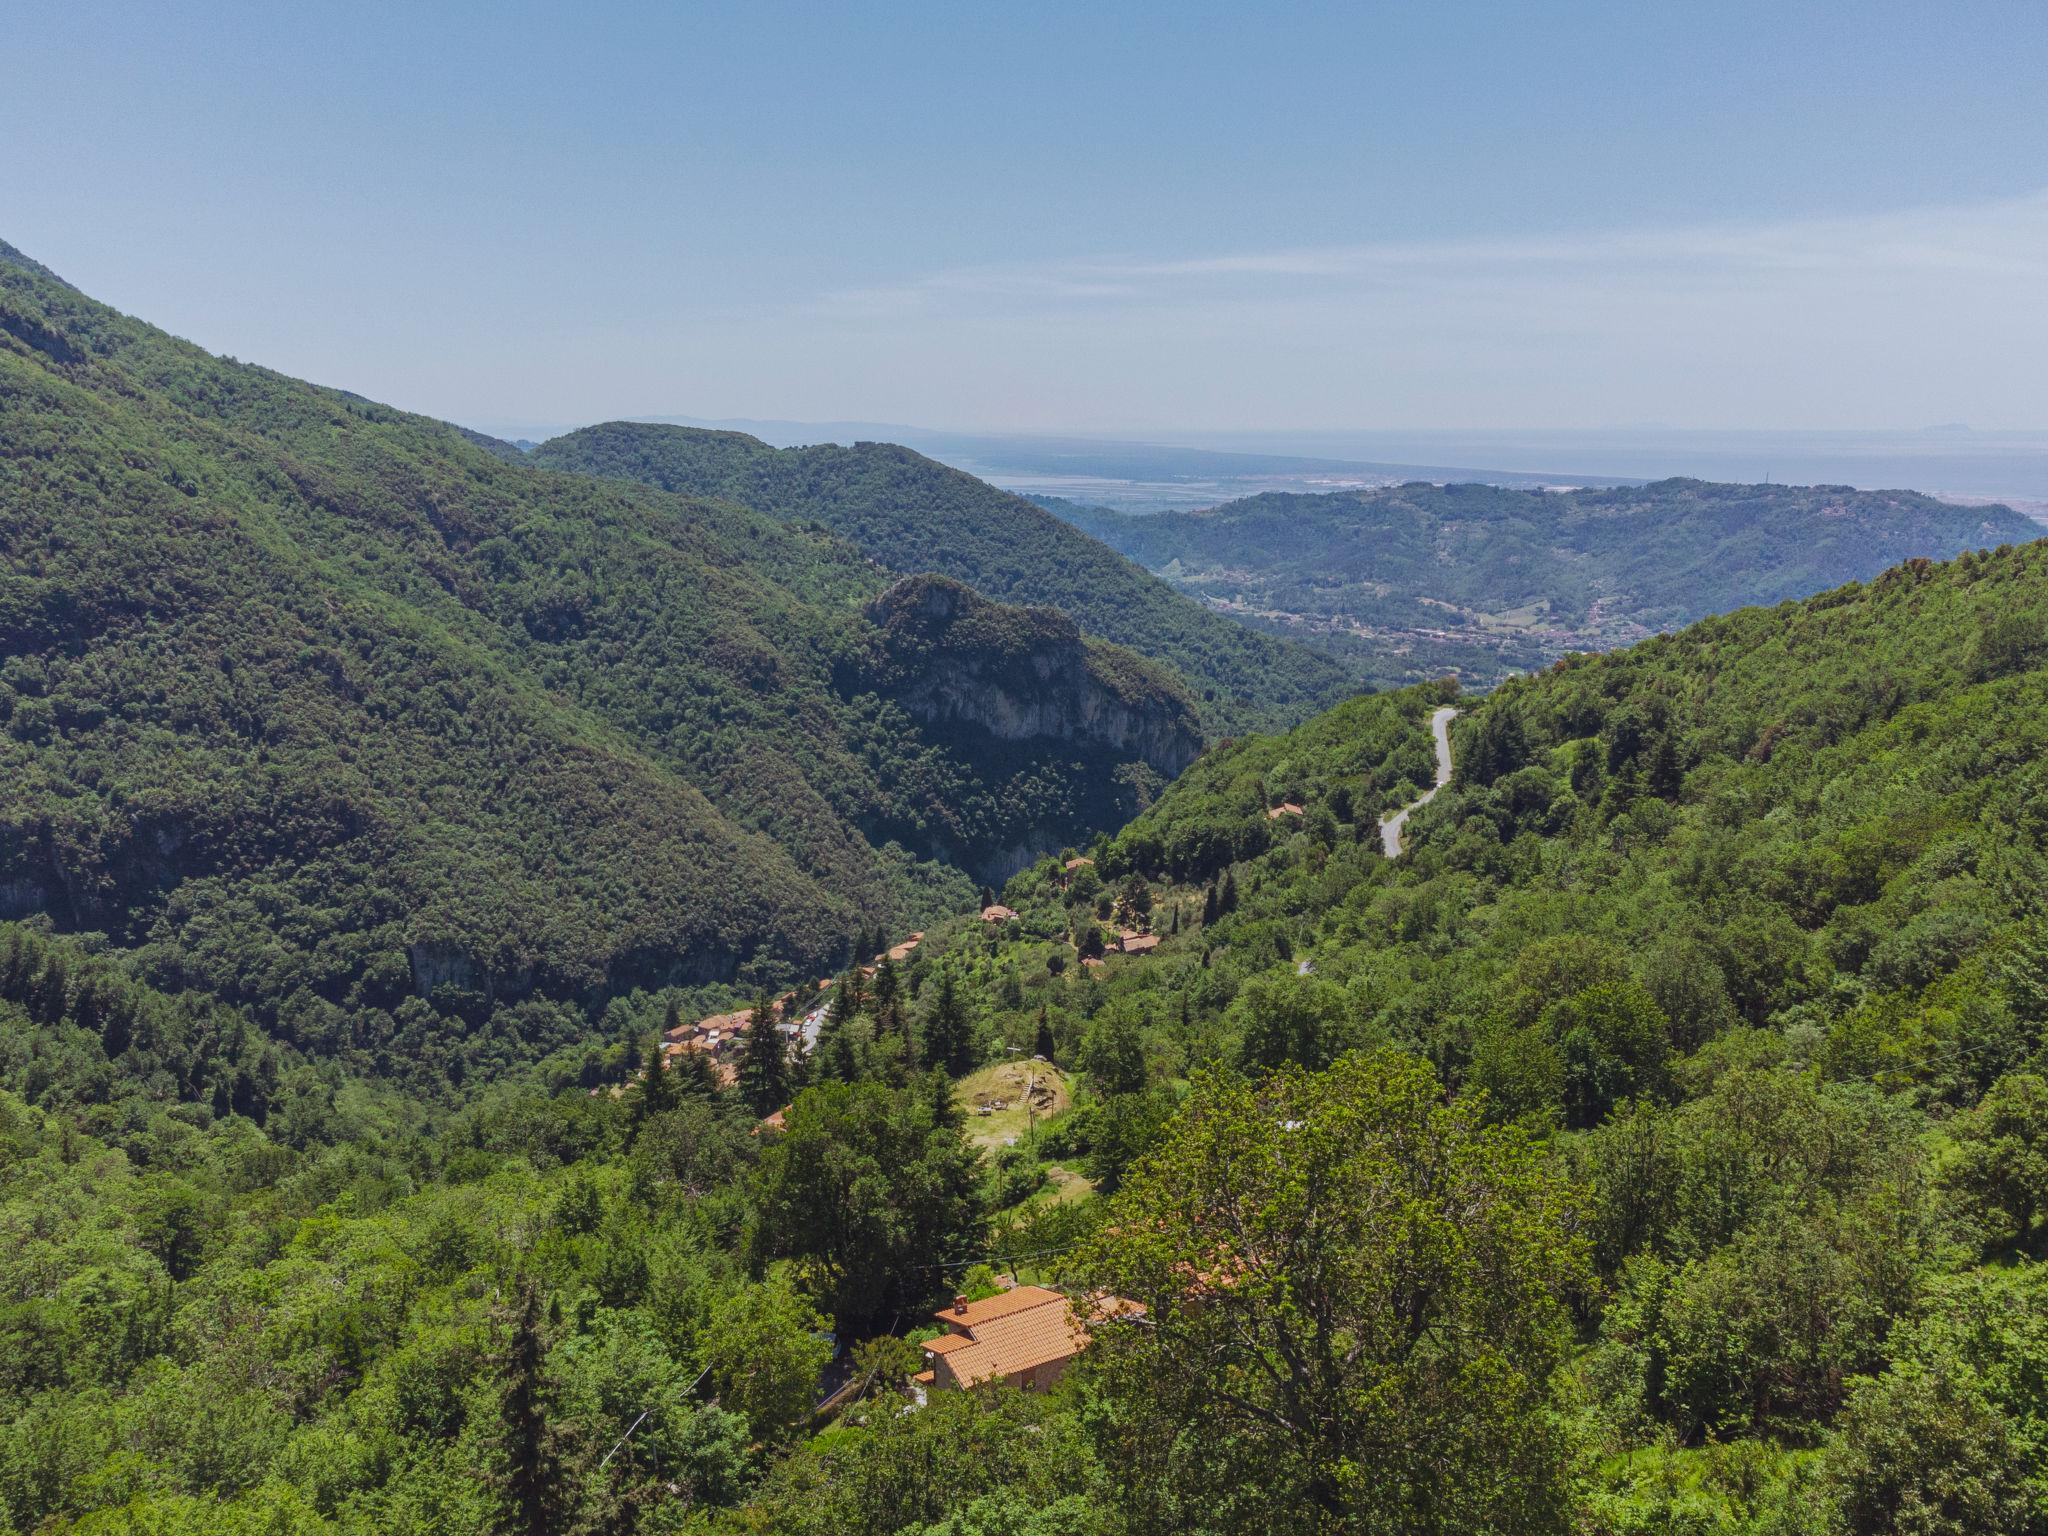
1041 1086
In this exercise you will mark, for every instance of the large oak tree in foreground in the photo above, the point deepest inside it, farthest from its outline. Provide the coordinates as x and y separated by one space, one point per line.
1354 1304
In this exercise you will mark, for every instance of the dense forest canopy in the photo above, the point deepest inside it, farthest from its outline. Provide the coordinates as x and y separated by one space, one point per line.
341 714
913 514
1658 1144
1407 582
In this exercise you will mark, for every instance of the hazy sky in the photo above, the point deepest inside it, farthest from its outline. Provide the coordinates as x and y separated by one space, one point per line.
1065 216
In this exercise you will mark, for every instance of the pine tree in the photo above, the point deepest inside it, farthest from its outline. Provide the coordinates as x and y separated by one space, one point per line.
1043 1044
892 1022
838 1057
1226 897
1667 775
945 1108
847 996
657 1088
1209 905
764 1062
694 1076
531 1478
52 991
948 1036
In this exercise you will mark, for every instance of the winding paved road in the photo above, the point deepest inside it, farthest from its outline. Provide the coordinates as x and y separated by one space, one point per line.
1390 829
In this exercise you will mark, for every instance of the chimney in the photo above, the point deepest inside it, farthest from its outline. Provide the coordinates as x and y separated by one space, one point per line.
960 1304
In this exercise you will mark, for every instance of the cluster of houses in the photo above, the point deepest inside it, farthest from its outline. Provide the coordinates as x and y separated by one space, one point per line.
721 1037
1129 941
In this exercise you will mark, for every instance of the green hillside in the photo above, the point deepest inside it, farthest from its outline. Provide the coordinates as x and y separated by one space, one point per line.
340 714
1658 1144
1410 581
913 514
1655 1145
1744 927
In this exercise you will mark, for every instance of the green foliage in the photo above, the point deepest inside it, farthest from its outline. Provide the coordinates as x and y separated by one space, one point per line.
764 1349
764 1067
1354 1301
1921 1453
948 1032
868 1192
912 514
992 1462
2001 1164
1744 923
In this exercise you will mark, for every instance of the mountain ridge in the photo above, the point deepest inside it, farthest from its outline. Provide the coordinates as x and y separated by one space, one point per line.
1408 581
914 514
329 707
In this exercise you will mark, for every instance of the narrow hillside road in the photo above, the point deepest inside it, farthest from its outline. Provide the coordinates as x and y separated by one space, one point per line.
1390 829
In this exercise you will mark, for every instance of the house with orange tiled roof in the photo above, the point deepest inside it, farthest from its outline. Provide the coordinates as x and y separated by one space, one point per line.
1026 1337
1139 943
1285 808
717 1036
998 913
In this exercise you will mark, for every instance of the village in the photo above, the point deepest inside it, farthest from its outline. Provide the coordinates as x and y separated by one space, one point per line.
1022 1335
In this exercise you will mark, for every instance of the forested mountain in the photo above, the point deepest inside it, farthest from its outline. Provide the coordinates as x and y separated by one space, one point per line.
913 514
356 720
1407 582
1746 928
1657 1145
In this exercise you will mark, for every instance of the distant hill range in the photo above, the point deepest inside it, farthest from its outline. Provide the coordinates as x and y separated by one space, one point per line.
1408 582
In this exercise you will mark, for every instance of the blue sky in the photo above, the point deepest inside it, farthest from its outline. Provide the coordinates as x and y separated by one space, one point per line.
1055 216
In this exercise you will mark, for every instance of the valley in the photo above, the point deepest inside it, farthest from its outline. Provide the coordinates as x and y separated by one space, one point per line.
1403 583
575 990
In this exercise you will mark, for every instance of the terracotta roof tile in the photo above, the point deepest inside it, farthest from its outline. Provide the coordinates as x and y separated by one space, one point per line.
1019 1299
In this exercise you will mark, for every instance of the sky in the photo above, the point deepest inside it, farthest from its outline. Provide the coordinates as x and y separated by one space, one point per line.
1065 217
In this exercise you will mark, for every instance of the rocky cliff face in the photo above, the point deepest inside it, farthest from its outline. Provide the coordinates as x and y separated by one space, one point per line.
1027 674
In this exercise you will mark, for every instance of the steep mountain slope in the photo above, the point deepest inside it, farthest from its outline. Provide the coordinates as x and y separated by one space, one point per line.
912 514
330 707
1413 579
1744 926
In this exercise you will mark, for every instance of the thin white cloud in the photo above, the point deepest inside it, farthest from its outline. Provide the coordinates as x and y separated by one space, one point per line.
2007 238
1924 314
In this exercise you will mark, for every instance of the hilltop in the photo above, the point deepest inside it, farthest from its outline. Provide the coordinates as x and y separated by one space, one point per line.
913 514
1407 582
